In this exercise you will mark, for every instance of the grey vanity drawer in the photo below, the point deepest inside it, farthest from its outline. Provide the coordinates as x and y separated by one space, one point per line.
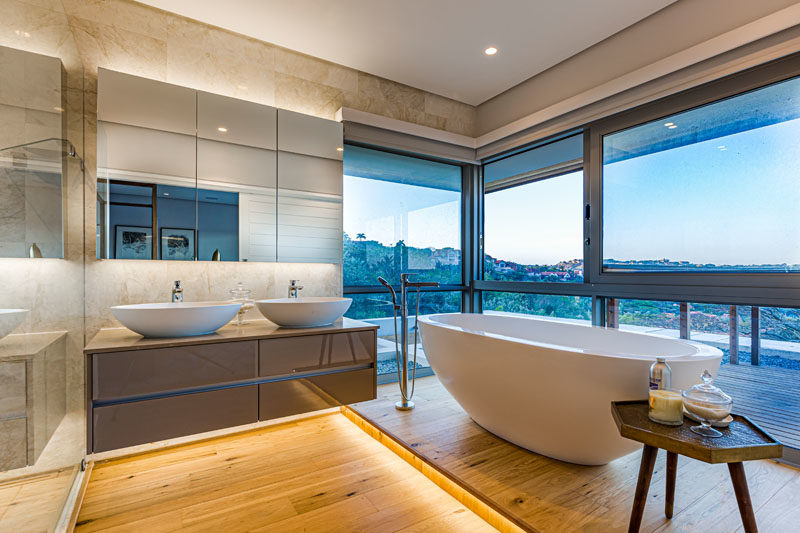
121 374
313 352
128 424
12 389
13 443
302 395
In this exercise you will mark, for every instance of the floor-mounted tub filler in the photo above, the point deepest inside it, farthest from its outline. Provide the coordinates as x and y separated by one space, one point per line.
548 386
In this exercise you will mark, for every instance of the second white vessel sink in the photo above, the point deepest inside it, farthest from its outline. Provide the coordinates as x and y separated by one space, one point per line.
304 312
182 319
10 319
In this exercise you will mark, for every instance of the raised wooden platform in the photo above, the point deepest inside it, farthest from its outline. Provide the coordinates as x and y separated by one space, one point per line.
542 494
769 396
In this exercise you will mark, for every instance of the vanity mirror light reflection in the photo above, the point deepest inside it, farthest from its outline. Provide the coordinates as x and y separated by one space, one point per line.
191 175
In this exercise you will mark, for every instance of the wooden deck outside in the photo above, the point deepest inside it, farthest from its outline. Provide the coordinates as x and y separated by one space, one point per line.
769 396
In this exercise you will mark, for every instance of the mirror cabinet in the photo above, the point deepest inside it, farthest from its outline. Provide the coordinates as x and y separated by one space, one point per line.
191 175
33 153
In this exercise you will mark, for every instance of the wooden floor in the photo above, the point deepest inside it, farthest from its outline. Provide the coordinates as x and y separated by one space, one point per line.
769 396
319 474
34 504
543 494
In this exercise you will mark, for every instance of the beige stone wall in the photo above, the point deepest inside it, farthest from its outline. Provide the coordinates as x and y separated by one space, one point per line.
74 294
137 39
52 289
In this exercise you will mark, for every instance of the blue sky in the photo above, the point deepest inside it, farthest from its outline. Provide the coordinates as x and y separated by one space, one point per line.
537 223
730 200
386 212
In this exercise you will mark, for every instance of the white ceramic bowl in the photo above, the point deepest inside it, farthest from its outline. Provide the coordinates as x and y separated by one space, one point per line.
304 312
182 319
10 319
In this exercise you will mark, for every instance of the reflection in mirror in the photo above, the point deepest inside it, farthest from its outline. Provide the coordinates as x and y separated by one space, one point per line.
32 155
236 169
309 189
190 175
146 152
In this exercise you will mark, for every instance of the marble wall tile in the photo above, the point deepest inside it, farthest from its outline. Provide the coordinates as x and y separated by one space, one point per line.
30 27
458 117
120 282
105 45
384 97
315 70
303 96
130 37
121 14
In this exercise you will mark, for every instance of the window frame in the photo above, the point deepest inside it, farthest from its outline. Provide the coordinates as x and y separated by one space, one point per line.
756 286
755 289
469 178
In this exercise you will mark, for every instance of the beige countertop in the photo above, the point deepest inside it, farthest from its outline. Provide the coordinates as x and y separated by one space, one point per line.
123 339
22 346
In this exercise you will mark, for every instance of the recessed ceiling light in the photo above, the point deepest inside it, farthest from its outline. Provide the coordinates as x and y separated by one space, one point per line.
668 124
490 51
339 149
223 130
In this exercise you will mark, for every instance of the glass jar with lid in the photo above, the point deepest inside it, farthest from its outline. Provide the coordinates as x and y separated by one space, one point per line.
241 294
708 403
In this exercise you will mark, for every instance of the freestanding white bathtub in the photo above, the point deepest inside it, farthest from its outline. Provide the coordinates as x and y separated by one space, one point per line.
547 386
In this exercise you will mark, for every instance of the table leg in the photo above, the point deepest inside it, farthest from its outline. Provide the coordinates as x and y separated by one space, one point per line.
743 497
672 469
642 486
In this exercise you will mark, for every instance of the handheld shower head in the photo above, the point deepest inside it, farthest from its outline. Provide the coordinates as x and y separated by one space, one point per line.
391 290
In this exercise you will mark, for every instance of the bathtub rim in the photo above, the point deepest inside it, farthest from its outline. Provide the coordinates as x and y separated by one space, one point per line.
704 351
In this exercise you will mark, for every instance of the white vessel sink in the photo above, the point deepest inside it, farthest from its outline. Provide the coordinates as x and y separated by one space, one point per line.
183 319
10 319
304 312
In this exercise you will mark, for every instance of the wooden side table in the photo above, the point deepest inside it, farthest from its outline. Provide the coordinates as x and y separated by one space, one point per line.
741 441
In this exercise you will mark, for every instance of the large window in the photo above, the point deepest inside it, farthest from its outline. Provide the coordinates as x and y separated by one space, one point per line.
569 308
686 211
709 189
533 214
534 231
401 214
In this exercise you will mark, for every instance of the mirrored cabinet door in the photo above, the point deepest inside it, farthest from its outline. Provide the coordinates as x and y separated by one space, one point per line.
236 170
309 189
191 175
146 158
33 155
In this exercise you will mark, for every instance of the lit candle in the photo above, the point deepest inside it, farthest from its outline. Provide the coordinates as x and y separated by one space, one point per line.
666 407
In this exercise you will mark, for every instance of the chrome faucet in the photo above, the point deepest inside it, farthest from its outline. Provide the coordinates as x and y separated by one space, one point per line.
177 292
401 355
294 288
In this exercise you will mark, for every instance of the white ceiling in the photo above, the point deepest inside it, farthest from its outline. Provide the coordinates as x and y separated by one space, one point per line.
436 45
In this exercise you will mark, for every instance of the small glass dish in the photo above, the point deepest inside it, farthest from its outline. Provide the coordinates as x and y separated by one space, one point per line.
241 294
665 406
708 404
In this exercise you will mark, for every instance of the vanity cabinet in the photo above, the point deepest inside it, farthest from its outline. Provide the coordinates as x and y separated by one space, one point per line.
144 390
33 403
